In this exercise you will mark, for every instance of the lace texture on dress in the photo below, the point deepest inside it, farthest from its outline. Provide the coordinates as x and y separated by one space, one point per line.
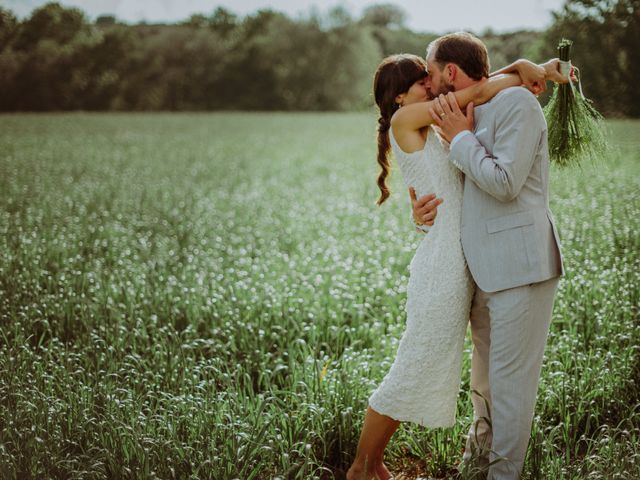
422 384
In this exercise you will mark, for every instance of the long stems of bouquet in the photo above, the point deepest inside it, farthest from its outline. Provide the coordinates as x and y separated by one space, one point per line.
575 128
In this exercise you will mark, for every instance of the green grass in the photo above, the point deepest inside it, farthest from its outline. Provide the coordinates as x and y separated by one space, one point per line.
215 296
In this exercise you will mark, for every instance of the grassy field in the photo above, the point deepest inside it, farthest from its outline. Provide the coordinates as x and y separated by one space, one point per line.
214 296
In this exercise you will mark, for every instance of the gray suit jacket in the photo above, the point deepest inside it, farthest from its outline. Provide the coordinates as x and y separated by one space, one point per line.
508 233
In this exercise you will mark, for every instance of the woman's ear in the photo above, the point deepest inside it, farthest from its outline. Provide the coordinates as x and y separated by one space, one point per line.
400 99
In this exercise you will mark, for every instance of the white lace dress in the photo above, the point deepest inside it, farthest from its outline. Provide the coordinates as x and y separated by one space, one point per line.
423 382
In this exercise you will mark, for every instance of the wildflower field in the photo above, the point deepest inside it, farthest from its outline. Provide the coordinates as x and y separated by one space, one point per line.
214 296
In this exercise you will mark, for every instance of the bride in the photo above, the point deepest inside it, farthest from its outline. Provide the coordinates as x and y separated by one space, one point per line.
422 384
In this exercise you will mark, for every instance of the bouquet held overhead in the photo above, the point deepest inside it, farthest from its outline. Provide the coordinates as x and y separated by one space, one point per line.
576 129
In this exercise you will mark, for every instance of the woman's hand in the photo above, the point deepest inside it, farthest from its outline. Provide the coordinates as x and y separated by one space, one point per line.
533 76
553 73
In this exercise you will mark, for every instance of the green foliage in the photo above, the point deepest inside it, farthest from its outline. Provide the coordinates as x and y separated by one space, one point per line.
46 63
56 60
576 129
606 36
385 15
223 22
8 27
50 22
106 20
508 47
214 296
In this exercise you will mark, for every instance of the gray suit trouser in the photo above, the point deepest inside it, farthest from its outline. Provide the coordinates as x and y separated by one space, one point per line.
509 330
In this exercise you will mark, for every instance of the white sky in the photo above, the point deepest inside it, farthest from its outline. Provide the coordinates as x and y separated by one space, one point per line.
422 15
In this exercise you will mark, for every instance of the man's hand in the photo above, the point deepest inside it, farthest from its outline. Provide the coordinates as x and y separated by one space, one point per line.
425 208
447 115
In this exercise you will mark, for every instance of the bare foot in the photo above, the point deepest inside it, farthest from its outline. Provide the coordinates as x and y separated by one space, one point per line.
383 472
380 472
355 474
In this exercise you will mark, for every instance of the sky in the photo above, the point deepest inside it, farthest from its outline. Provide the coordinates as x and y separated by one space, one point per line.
422 15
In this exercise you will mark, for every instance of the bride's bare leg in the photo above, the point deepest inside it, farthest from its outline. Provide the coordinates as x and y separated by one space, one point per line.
376 433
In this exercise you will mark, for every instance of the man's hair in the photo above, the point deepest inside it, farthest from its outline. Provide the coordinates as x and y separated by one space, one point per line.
463 49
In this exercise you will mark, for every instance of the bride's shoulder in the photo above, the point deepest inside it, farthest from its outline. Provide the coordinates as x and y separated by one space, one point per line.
407 142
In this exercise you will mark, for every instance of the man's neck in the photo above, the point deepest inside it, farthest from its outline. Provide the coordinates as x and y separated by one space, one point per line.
465 82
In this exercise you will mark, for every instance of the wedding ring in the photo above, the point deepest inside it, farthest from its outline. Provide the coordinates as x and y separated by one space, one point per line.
442 114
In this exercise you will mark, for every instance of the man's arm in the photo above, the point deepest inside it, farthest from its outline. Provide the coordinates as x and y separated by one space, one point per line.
424 210
518 133
420 227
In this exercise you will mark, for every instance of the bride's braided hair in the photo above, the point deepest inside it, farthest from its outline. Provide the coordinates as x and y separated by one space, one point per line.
394 76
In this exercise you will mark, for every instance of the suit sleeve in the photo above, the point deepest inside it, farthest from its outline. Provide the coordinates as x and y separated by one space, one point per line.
518 131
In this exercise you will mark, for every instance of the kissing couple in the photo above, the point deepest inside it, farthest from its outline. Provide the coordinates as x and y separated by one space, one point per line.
491 258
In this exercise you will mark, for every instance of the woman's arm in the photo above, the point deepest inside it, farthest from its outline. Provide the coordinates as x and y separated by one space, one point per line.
524 68
416 115
520 72
533 76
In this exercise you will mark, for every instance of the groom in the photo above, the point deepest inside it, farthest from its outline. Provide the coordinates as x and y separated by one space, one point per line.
509 241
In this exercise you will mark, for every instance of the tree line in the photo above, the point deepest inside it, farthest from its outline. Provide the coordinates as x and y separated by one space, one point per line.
56 59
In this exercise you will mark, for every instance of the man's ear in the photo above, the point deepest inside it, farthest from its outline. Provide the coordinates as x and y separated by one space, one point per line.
452 71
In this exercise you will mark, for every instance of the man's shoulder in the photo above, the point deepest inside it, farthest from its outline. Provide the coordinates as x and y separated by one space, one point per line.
516 95
517 104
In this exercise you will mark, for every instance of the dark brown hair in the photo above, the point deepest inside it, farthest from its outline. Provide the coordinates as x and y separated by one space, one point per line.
394 76
463 49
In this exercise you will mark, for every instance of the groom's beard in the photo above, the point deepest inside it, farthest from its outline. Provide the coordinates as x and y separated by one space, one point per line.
443 89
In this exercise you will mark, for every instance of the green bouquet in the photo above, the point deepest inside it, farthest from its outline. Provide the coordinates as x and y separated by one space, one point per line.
575 128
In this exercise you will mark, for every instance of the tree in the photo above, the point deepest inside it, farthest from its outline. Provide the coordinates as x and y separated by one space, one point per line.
385 15
338 17
606 48
10 61
197 21
50 22
350 58
106 63
51 73
223 22
57 60
8 27
106 21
